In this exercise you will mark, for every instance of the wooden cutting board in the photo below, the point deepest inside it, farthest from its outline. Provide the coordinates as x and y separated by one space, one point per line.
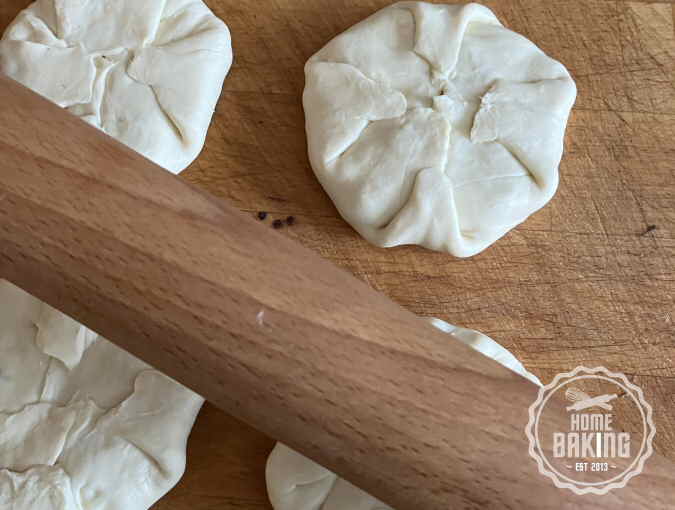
588 280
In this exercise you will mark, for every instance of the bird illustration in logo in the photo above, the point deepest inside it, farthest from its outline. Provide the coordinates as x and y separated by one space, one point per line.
584 401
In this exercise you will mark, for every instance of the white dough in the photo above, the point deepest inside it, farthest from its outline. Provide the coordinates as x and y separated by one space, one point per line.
83 424
435 125
295 482
147 72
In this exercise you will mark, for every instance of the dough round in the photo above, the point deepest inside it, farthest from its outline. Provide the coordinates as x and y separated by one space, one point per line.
148 73
295 482
83 424
435 125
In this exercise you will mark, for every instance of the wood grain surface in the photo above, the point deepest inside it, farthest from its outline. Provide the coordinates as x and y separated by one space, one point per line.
584 281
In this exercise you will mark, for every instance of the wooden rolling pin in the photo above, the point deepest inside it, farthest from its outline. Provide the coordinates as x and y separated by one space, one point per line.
265 329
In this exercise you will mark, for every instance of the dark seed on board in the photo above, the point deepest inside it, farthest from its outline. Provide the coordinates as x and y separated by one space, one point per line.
277 224
650 228
262 215
290 220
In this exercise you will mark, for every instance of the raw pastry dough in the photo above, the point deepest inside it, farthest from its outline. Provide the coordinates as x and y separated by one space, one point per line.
83 424
435 125
148 73
295 482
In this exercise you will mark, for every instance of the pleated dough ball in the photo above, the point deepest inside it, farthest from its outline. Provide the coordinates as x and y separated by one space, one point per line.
435 125
83 423
148 73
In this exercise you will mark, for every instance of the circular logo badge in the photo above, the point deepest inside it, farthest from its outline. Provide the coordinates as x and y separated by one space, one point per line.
587 452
